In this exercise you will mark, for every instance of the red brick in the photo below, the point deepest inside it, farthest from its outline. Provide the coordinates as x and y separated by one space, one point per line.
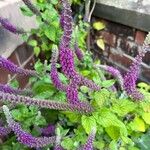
109 38
13 58
23 80
140 37
120 60
24 52
127 46
3 75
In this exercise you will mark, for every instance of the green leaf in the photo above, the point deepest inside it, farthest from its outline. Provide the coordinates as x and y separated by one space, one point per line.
88 123
146 117
101 97
107 83
98 25
39 67
51 33
99 144
143 142
54 2
36 51
67 144
16 114
123 107
107 119
26 11
113 132
41 87
100 43
33 43
113 145
73 117
138 125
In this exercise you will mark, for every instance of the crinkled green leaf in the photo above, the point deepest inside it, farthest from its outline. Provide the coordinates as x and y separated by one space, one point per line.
88 123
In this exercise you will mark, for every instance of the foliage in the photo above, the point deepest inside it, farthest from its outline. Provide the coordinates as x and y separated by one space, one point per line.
120 122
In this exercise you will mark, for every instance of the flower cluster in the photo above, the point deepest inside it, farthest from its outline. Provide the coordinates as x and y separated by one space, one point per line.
14 68
8 26
54 74
114 72
7 89
90 140
24 137
4 131
78 52
86 108
32 7
66 54
49 130
131 77
128 82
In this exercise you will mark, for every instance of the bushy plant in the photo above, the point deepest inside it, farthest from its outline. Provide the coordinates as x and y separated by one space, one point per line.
70 104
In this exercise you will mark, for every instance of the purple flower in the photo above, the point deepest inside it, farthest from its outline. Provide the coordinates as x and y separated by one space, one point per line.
49 130
66 23
8 26
78 52
90 140
81 108
14 68
32 7
54 74
24 137
131 76
72 94
4 131
58 147
7 89
114 72
66 55
90 84
67 62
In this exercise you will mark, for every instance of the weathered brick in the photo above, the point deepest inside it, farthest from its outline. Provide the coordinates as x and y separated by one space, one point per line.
3 75
120 30
120 60
24 52
14 58
140 37
23 80
109 38
127 46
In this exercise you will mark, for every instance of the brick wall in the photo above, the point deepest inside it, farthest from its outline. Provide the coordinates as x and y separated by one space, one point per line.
121 46
23 57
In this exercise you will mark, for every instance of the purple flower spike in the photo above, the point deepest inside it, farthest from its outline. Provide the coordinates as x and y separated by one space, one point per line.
54 74
7 89
48 131
4 131
67 62
72 94
90 140
24 137
132 75
66 23
58 147
14 68
114 72
78 52
84 108
90 84
8 26
32 7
